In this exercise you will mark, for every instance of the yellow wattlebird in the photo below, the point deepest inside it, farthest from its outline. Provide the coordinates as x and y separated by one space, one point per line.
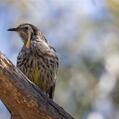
37 59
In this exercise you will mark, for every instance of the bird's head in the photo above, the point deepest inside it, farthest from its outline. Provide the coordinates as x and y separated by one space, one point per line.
26 31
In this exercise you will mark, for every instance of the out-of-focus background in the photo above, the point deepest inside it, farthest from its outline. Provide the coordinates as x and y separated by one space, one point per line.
85 34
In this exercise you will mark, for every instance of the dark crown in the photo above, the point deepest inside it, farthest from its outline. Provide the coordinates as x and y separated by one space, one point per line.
34 28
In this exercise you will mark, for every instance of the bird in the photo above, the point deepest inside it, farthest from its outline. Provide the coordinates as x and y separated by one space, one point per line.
37 59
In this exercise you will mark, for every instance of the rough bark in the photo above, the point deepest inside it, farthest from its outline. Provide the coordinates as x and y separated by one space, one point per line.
24 99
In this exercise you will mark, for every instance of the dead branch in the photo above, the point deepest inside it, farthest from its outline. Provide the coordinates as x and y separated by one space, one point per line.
24 99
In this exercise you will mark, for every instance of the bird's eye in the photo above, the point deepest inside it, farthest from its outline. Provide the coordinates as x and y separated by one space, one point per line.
26 28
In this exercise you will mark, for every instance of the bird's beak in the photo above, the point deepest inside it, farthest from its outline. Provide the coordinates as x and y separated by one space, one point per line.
13 29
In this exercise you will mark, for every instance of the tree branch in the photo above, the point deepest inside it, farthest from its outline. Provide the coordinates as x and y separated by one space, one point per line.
24 99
